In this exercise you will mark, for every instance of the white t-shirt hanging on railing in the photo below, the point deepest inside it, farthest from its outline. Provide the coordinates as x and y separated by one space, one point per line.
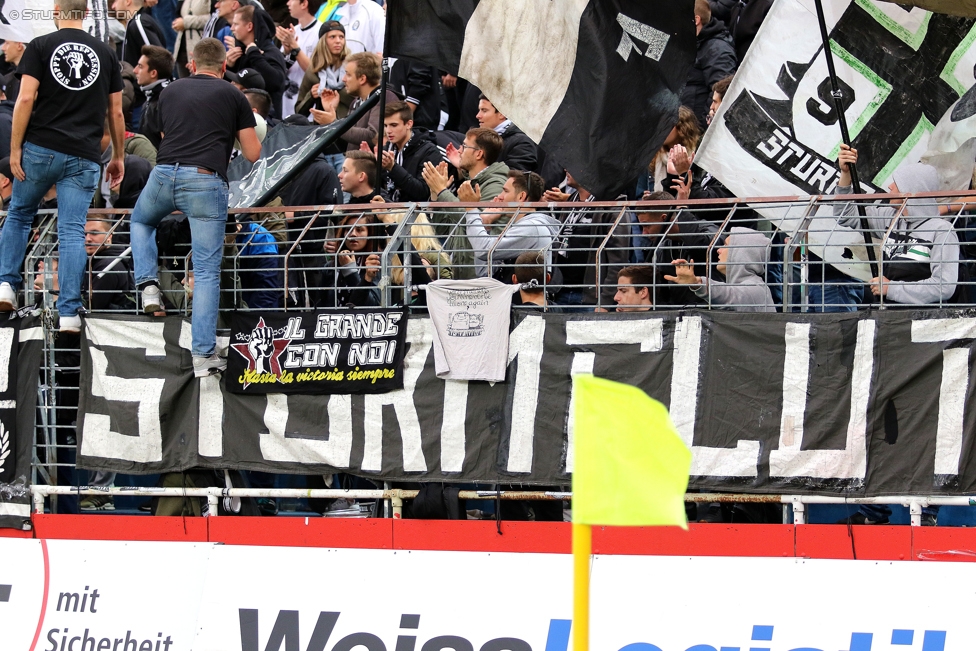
471 321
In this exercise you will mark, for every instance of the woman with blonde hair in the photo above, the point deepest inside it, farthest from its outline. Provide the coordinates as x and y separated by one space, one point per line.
685 133
325 72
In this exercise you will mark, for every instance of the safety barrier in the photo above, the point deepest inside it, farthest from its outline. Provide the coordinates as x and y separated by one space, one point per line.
306 257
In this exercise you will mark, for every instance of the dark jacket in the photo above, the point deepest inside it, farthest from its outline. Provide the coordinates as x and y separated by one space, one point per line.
706 186
133 42
583 230
722 9
368 126
151 124
116 289
6 125
405 182
747 17
420 85
519 152
715 61
270 63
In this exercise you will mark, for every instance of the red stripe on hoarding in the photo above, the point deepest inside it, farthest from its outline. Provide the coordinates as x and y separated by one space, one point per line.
482 536
699 540
121 527
804 541
869 543
367 533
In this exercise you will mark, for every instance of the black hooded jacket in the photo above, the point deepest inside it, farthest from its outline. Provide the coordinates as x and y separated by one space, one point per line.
715 60
518 150
405 180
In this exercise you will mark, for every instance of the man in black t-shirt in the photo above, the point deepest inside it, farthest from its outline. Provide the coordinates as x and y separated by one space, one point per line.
69 79
201 117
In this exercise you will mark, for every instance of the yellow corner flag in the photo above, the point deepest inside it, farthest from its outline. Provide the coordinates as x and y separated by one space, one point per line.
630 467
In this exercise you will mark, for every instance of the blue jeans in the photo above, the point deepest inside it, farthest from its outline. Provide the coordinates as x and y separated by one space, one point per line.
203 199
76 179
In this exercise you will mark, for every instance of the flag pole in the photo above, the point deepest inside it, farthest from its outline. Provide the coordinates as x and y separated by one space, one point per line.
581 586
845 134
384 75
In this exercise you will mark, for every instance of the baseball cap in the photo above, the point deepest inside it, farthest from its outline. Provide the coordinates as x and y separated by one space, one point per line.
248 78
5 167
331 26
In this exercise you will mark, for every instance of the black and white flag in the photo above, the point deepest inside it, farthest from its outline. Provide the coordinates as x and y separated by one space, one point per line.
595 83
20 361
904 75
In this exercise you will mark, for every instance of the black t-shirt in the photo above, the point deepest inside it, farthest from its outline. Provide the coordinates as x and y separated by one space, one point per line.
200 117
77 73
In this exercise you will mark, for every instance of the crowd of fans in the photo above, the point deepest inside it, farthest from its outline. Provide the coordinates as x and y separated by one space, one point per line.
444 141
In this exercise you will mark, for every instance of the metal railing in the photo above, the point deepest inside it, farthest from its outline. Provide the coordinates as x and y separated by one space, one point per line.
320 256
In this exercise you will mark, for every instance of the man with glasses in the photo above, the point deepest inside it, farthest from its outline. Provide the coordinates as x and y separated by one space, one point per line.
484 176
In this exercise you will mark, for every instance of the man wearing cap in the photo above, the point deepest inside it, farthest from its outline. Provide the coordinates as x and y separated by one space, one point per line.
202 115
246 79
245 53
297 44
69 81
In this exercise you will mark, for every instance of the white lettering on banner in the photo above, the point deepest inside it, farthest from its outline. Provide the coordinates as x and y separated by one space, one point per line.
955 386
210 404
743 460
453 424
335 451
98 439
851 462
656 40
646 332
6 350
421 339
526 344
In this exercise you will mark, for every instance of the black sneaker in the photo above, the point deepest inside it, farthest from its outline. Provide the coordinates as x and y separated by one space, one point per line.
860 518
929 520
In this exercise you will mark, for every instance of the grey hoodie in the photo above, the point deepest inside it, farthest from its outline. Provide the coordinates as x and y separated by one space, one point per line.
532 232
448 223
745 270
919 223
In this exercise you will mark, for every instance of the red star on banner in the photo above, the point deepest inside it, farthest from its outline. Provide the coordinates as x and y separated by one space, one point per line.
263 346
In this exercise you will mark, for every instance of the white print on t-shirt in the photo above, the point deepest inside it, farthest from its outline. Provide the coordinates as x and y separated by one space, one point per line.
75 66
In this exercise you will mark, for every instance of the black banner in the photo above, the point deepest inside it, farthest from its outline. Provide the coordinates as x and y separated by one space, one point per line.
866 403
347 351
20 361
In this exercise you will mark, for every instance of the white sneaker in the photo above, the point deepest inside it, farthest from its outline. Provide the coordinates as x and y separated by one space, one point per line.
71 324
205 366
8 298
152 300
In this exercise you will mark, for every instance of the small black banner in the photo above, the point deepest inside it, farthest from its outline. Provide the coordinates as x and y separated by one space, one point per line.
336 351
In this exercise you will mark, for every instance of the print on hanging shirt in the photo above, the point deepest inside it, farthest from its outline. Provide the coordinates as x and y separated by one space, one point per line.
465 323
75 66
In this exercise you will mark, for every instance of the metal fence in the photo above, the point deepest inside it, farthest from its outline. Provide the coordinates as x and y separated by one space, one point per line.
809 253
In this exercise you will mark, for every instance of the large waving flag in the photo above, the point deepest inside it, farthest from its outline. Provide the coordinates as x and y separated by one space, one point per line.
595 83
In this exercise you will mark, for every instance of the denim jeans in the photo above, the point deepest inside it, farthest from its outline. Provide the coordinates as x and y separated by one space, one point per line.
203 199
76 179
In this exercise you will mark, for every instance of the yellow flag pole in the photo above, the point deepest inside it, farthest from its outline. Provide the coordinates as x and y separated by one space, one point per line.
581 586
